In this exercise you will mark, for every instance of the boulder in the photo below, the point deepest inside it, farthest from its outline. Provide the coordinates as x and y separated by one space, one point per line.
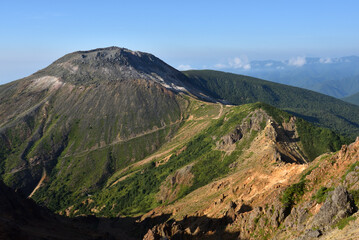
339 204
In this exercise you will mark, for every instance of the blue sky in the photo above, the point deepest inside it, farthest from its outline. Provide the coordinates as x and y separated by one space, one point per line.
200 34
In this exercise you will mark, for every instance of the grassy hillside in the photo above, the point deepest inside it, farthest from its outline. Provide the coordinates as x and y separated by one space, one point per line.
84 127
315 107
140 187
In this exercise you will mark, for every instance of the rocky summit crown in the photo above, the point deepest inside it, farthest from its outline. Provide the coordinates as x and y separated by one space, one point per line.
113 64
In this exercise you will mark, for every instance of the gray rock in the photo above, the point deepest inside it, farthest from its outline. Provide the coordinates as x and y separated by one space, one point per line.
277 214
310 234
314 233
338 205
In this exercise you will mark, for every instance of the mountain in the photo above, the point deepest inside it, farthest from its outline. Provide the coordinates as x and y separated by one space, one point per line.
123 136
314 107
340 87
354 99
337 77
100 104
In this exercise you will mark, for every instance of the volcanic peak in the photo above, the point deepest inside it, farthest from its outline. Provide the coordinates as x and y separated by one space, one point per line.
110 64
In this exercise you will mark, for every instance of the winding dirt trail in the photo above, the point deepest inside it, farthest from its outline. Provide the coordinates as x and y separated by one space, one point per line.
139 163
82 153
220 112
39 184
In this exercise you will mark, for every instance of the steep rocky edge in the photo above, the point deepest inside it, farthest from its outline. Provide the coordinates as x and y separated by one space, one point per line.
272 201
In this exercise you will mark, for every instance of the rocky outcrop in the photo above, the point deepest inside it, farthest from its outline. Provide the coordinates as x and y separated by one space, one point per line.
174 183
305 219
253 122
199 227
338 205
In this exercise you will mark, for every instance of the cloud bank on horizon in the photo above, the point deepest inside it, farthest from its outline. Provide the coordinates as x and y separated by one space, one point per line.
242 63
297 61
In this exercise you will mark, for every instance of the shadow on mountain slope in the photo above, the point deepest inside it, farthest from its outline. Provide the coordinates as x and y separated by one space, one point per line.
22 218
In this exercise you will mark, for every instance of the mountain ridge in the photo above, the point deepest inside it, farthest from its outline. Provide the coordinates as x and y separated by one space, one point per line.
83 140
315 107
354 99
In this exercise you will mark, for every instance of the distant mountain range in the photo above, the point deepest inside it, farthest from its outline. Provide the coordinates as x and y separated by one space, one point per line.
337 77
354 99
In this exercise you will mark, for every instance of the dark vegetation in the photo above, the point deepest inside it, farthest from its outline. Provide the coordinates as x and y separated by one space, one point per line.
316 140
342 223
314 107
293 194
322 194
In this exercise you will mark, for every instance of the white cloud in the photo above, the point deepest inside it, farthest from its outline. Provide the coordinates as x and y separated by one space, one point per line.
325 60
240 62
236 63
297 62
184 67
268 64
220 65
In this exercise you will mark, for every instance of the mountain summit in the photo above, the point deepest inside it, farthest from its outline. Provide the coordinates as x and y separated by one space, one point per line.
85 103
114 64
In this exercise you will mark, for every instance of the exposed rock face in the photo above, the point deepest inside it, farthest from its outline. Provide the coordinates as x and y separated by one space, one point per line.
338 205
192 228
282 136
250 123
173 184
115 64
307 219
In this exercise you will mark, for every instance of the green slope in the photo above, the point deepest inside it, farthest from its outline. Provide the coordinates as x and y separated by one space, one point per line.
139 191
315 107
354 99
